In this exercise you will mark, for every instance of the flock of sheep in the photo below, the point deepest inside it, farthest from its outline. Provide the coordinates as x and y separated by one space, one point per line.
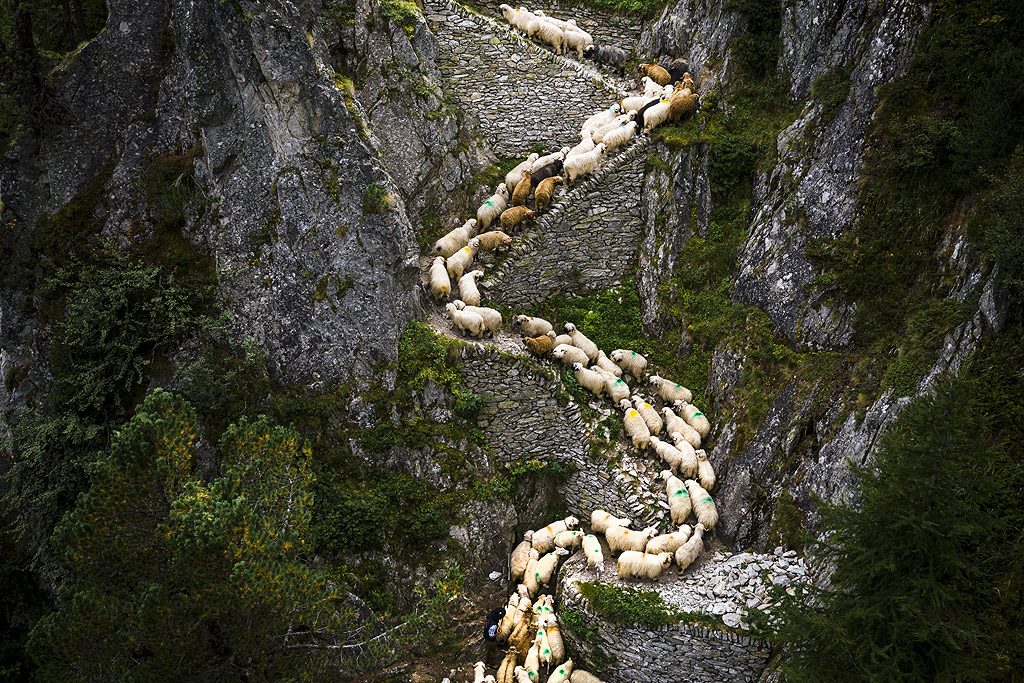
529 625
540 175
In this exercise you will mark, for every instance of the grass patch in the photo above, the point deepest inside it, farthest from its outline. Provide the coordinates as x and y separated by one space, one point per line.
628 605
376 199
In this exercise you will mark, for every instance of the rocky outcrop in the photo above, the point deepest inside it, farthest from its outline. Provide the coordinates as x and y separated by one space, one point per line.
814 184
280 172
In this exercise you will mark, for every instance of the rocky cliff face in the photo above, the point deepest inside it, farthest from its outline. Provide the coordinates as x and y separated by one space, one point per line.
287 188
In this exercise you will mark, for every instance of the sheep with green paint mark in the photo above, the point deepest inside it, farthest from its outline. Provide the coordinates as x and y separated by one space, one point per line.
703 506
694 417
679 503
630 361
493 207
546 565
561 674
670 391
592 551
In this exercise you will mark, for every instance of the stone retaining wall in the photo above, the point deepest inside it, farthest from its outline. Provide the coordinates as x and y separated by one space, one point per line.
608 28
524 419
519 93
677 652
588 242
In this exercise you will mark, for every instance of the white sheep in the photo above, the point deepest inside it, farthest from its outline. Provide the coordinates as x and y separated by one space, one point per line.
669 390
667 543
630 361
561 673
507 622
635 426
582 164
637 102
532 663
523 675
651 87
458 262
635 563
703 506
586 145
679 504
478 672
601 520
688 552
592 550
495 239
548 158
694 417
568 354
513 177
544 539
456 239
492 317
705 472
619 136
557 22
468 291
647 412
534 327
440 283
549 33
590 380
554 635
599 119
569 539
656 115
493 207
606 364
520 556
562 339
530 575
620 538
575 37
620 120
668 91
615 387
467 322
546 565
688 464
669 454
581 341
674 423
581 676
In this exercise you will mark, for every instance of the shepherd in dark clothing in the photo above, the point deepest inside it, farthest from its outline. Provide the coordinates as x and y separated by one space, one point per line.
491 634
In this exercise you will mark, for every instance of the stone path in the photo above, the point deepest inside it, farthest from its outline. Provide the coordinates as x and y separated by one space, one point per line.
521 94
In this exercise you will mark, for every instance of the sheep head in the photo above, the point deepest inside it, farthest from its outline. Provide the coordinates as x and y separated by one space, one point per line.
439 259
451 309
558 180
528 536
650 532
560 551
502 191
625 404
476 274
571 522
665 474
570 328
534 555
654 380
577 367
588 50
616 355
550 334
701 455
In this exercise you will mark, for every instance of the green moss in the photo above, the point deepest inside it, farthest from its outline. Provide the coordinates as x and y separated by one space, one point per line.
787 527
830 90
376 199
402 12
628 605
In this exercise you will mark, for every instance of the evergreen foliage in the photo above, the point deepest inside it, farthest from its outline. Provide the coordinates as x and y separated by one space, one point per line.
927 577
172 576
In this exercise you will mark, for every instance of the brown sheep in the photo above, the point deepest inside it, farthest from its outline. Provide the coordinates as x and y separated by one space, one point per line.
682 105
655 73
495 239
539 346
688 81
546 188
512 217
522 191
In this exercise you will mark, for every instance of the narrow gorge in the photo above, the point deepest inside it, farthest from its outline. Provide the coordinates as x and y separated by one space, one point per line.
216 255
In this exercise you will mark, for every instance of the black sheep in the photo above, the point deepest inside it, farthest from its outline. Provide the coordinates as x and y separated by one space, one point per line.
606 54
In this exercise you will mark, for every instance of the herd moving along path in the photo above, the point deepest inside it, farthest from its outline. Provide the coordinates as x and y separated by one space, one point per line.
662 425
